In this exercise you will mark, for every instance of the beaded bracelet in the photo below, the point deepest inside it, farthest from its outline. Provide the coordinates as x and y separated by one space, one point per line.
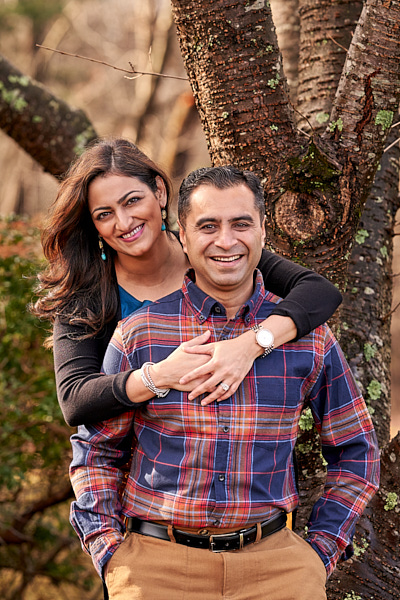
149 383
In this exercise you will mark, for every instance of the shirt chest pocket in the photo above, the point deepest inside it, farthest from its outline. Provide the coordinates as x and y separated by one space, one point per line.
278 408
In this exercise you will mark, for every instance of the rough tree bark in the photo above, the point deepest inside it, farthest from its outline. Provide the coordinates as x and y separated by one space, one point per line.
43 125
325 36
316 189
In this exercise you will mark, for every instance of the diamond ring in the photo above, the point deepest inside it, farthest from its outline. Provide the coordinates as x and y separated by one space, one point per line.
224 386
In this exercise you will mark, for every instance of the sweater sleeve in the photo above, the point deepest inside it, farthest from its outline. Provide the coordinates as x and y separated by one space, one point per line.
85 395
308 298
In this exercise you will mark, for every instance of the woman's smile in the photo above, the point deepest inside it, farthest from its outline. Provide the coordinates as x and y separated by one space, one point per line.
134 234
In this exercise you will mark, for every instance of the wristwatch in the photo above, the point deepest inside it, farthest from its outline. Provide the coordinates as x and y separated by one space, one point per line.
264 338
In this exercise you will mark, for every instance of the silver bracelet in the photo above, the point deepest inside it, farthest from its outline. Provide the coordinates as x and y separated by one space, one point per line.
149 383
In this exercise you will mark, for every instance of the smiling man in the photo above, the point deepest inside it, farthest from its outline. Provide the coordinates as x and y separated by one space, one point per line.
223 231
202 511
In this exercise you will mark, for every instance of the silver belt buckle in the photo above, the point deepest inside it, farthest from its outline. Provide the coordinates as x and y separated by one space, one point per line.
225 535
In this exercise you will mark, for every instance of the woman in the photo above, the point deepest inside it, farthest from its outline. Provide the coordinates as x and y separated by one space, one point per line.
110 251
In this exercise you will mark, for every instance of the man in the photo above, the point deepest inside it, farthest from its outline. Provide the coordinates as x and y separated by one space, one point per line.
209 487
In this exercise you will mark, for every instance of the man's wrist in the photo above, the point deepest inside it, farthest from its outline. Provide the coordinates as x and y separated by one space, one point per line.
102 547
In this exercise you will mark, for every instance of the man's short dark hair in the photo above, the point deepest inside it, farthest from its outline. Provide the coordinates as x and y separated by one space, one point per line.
222 178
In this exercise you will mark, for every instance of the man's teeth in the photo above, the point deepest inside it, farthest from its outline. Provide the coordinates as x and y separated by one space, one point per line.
226 258
131 233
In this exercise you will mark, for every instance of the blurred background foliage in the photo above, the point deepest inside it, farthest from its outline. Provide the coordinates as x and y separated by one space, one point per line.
40 555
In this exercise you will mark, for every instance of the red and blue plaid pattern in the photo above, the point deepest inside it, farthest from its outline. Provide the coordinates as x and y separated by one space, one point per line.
228 464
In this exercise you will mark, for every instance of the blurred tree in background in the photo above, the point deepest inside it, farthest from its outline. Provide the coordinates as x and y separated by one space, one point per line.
156 113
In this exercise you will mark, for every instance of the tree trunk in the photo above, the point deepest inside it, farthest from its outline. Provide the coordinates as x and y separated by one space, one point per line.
315 191
43 125
287 23
373 572
366 310
368 93
235 69
326 33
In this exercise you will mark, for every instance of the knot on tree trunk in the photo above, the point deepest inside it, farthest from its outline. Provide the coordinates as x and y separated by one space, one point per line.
300 215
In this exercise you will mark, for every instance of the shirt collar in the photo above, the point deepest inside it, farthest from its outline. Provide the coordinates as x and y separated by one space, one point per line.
203 305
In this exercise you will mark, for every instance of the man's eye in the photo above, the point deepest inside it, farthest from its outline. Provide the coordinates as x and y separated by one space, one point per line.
242 225
208 227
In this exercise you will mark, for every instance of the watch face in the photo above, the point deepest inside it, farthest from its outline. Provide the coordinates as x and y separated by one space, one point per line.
265 338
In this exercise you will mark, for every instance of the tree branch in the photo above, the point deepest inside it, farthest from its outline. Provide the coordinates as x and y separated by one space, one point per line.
369 89
43 125
13 534
235 68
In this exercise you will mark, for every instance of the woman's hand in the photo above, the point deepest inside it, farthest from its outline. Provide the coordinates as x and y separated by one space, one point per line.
168 373
229 361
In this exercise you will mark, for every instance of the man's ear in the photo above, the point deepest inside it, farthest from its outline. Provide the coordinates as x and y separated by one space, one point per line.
182 236
264 231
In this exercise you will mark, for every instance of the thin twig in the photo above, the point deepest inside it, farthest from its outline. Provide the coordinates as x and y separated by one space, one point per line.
391 312
337 43
304 132
391 145
132 71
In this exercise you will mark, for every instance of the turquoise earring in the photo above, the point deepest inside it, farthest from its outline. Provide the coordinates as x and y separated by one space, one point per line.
103 254
163 216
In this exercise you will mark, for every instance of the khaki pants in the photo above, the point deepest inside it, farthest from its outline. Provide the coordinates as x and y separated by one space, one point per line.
280 567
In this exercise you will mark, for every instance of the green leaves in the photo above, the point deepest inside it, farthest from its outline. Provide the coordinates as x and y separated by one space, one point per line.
34 440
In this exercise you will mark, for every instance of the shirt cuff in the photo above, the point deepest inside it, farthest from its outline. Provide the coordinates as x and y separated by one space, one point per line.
328 551
103 547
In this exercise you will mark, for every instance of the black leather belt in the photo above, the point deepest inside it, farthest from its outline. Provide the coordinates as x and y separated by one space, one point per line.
216 543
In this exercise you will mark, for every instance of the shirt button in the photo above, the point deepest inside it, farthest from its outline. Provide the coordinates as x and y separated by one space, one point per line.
216 522
221 477
217 309
225 429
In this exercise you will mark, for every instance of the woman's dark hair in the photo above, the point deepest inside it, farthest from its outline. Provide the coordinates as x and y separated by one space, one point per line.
77 284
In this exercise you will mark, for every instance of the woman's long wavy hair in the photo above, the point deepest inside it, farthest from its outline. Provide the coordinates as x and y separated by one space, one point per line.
77 284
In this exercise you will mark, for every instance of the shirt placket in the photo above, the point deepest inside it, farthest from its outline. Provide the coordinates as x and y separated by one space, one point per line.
223 448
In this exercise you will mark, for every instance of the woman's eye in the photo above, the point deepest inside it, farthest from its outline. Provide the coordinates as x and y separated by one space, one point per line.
131 201
102 215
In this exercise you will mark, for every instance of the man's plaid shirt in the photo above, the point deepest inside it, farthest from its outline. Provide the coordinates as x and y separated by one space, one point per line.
229 464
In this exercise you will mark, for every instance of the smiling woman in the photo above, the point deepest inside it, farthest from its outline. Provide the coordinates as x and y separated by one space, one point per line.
128 217
110 252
